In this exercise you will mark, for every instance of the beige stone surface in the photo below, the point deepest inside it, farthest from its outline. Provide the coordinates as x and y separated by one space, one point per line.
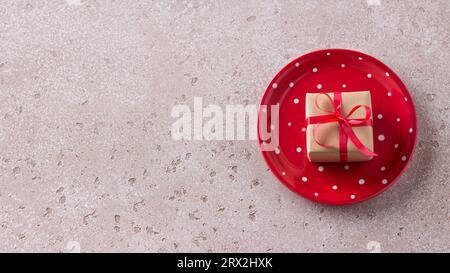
86 158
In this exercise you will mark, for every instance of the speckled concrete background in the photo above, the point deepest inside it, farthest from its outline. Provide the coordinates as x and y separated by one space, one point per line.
87 161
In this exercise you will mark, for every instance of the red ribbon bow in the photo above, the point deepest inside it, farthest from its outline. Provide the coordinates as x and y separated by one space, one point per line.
345 124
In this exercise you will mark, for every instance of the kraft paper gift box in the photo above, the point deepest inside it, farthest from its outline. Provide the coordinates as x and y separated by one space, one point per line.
324 140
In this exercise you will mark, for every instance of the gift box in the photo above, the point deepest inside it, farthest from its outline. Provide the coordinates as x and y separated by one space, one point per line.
339 126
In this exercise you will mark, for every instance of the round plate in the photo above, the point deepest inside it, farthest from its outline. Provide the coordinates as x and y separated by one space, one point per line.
394 127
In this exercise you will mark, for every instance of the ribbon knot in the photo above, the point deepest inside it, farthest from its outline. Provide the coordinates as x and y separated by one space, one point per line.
345 124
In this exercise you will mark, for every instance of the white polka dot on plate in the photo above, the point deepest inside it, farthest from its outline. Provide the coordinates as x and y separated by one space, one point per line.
291 84
275 85
384 181
320 168
289 123
296 101
381 137
316 194
299 150
283 173
360 58
406 99
383 168
305 179
361 181
297 64
403 158
396 146
369 76
352 196
343 65
389 94
277 151
315 69
328 53
346 167
410 130
387 74
344 85
303 129
319 86
398 119
380 116
334 187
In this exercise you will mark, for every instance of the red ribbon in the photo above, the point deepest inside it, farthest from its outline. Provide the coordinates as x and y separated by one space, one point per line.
345 124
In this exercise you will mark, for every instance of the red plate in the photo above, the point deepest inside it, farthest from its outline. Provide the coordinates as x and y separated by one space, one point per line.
395 126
